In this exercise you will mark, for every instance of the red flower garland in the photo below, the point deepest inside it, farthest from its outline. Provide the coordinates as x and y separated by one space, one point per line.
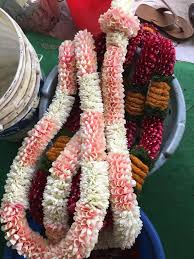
100 44
167 57
143 36
132 47
151 138
74 194
36 195
73 122
147 61
131 127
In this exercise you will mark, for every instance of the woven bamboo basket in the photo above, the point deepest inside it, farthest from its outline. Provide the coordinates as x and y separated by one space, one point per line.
20 74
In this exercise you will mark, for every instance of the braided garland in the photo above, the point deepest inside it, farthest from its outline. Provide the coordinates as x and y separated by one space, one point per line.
126 214
15 200
89 146
153 102
91 208
140 170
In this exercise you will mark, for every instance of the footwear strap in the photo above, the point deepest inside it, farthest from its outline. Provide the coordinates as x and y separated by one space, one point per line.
174 24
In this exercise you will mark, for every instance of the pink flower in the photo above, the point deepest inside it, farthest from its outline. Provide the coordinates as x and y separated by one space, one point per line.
120 186
40 136
116 20
66 77
85 55
93 140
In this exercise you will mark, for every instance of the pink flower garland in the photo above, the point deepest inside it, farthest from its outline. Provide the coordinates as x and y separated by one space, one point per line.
14 202
67 77
58 188
126 215
115 19
59 183
93 203
90 210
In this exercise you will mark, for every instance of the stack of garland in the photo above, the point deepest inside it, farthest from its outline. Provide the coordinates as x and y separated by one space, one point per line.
146 105
78 204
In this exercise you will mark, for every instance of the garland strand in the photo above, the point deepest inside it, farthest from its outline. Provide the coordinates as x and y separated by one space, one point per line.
58 188
15 199
91 208
59 182
87 147
126 216
155 109
94 194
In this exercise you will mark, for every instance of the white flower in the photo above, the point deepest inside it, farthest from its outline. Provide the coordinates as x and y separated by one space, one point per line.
90 93
94 184
116 139
125 5
127 226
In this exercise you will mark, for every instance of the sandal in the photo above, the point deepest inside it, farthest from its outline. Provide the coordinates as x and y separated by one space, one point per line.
159 16
173 25
180 30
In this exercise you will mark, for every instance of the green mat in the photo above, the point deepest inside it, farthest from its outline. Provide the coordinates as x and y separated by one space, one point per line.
168 195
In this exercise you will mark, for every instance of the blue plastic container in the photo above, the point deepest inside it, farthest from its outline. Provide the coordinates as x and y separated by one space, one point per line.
149 244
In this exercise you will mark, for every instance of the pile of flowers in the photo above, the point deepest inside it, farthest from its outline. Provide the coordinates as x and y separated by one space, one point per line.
83 191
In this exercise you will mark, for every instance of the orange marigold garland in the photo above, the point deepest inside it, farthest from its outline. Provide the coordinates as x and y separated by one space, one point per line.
57 148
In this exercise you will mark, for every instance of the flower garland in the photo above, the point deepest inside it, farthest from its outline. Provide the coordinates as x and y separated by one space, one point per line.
59 182
91 208
38 139
154 105
147 61
87 147
73 122
74 194
15 199
58 188
58 146
126 215
131 127
94 193
142 37
36 195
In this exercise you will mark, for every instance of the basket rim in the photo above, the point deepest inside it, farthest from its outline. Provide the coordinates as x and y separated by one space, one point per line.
20 69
